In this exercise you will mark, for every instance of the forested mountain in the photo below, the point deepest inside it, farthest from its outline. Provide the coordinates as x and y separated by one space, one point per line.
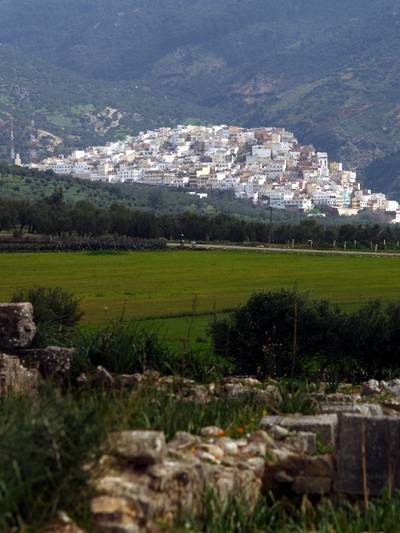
88 71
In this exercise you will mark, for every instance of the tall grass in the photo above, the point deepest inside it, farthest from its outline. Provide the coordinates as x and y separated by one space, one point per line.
296 516
46 440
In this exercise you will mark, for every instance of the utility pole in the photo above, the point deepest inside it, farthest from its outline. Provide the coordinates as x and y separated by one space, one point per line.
270 225
12 142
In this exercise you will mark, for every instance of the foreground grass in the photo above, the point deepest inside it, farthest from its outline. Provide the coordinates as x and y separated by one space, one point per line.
293 516
46 441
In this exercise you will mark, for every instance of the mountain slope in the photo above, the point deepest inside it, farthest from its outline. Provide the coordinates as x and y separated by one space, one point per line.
91 71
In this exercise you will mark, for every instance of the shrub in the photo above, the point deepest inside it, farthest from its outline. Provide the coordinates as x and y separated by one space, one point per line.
269 334
294 397
55 312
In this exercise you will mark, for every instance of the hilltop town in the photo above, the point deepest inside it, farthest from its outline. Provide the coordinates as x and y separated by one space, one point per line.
267 165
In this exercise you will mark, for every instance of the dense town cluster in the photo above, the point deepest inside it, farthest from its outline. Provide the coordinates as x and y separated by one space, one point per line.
266 165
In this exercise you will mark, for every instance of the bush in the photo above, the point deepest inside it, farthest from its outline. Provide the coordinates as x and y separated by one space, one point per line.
288 333
269 334
55 311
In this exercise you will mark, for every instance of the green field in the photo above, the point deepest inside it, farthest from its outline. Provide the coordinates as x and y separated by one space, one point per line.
155 285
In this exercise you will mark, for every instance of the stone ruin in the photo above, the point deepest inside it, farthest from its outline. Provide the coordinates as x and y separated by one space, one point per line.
23 367
351 447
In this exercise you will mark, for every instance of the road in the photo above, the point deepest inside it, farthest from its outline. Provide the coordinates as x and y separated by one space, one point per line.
271 249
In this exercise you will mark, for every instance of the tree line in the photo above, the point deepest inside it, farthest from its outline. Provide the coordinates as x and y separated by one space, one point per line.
53 216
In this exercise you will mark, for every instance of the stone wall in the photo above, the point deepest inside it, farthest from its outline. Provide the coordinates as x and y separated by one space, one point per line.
16 378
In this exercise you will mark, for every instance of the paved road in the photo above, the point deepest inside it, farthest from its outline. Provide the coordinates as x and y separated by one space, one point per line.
272 249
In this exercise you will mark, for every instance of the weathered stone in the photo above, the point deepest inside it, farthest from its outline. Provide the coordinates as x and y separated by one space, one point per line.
129 380
17 327
392 387
113 514
262 436
216 453
319 466
183 441
103 378
302 442
228 446
371 387
16 378
141 448
53 361
341 397
278 432
365 409
324 426
393 405
212 431
380 465
62 523
312 485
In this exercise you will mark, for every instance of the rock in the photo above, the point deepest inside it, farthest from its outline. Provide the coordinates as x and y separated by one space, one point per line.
62 524
15 378
283 477
393 387
381 438
112 514
312 485
212 450
140 448
302 442
371 387
228 446
212 431
364 409
393 405
340 397
262 436
278 432
53 361
103 378
183 441
17 327
129 380
254 449
324 426
319 466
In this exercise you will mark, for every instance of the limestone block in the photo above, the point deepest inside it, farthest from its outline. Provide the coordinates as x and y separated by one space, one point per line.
16 378
141 448
379 466
365 409
53 361
324 426
17 327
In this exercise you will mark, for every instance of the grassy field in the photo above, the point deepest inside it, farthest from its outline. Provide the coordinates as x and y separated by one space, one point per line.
157 285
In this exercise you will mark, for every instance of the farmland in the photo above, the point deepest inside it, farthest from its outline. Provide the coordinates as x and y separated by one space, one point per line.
169 287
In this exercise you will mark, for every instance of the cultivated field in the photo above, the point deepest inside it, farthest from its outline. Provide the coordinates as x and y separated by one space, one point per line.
175 283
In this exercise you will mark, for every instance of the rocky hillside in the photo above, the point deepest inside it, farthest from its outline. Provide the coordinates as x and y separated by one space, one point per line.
91 71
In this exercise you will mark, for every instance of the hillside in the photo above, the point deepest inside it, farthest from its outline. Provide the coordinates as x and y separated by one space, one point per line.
22 183
87 72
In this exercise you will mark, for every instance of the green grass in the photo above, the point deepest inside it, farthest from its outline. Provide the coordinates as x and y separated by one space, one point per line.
172 284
